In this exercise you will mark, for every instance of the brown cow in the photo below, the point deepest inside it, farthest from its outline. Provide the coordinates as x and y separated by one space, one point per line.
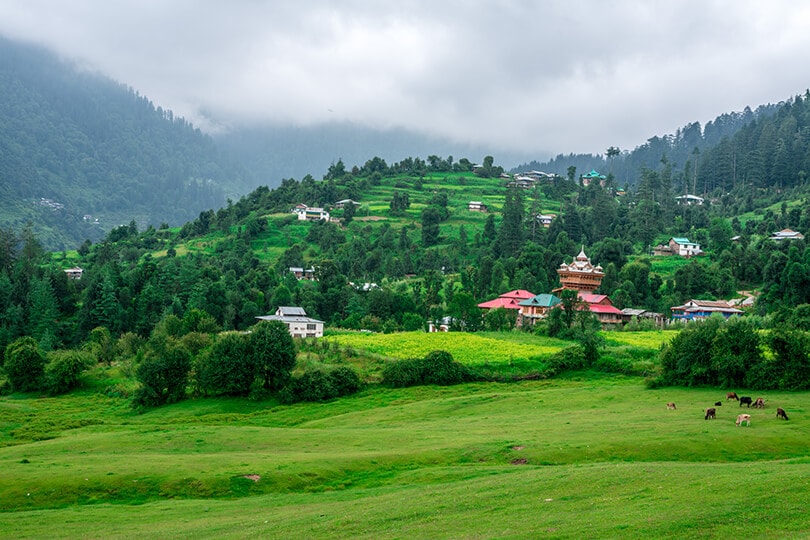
780 413
759 403
743 418
710 413
731 395
670 405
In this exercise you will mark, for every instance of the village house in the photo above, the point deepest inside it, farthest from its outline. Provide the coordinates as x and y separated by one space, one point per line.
786 234
678 246
476 206
536 308
592 176
299 325
303 273
306 213
345 202
601 306
509 300
544 219
442 325
539 175
523 182
580 275
689 199
628 314
703 309
74 273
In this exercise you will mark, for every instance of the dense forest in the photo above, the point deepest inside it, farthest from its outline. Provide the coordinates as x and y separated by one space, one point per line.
82 154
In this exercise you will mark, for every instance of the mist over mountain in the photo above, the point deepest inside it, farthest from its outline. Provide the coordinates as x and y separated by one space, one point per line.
274 153
80 154
678 150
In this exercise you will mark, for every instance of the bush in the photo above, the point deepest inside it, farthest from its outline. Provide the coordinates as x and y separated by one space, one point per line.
64 369
402 373
569 359
24 365
320 385
345 381
438 367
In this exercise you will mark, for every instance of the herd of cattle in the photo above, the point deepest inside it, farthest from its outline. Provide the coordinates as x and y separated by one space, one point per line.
759 403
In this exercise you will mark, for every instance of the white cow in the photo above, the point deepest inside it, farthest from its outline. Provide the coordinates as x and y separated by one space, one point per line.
743 418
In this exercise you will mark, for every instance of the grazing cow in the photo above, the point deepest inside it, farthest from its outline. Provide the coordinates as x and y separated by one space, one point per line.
780 413
710 413
759 403
670 405
743 418
718 403
731 395
747 400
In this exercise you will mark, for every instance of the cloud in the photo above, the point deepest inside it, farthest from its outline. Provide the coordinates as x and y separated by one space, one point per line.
544 77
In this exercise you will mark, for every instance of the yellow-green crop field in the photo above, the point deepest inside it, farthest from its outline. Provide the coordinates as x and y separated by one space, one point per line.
647 340
469 349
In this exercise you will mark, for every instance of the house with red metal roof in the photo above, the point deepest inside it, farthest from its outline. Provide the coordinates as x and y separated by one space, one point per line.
508 300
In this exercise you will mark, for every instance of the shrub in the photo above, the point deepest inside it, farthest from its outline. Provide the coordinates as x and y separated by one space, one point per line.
64 369
609 364
24 365
569 359
320 385
345 381
437 367
402 373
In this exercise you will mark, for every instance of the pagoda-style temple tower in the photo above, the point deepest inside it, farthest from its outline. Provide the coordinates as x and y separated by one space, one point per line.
580 275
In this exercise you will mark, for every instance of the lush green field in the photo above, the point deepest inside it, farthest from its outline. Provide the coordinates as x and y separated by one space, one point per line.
582 457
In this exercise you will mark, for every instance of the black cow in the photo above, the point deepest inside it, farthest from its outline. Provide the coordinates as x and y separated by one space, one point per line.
747 400
718 403
780 413
710 413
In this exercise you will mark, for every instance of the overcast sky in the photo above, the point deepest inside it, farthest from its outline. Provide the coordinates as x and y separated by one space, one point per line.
541 77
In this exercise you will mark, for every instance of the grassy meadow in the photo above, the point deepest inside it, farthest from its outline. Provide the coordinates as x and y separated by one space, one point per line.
587 455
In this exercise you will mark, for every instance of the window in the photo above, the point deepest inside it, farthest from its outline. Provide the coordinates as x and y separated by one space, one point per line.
310 326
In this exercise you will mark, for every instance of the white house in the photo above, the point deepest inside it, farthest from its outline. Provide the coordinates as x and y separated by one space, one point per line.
303 273
545 219
476 206
299 325
689 199
307 213
683 247
786 234
74 273
345 202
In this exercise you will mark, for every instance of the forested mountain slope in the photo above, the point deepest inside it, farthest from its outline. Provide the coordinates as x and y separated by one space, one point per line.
80 154
676 151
